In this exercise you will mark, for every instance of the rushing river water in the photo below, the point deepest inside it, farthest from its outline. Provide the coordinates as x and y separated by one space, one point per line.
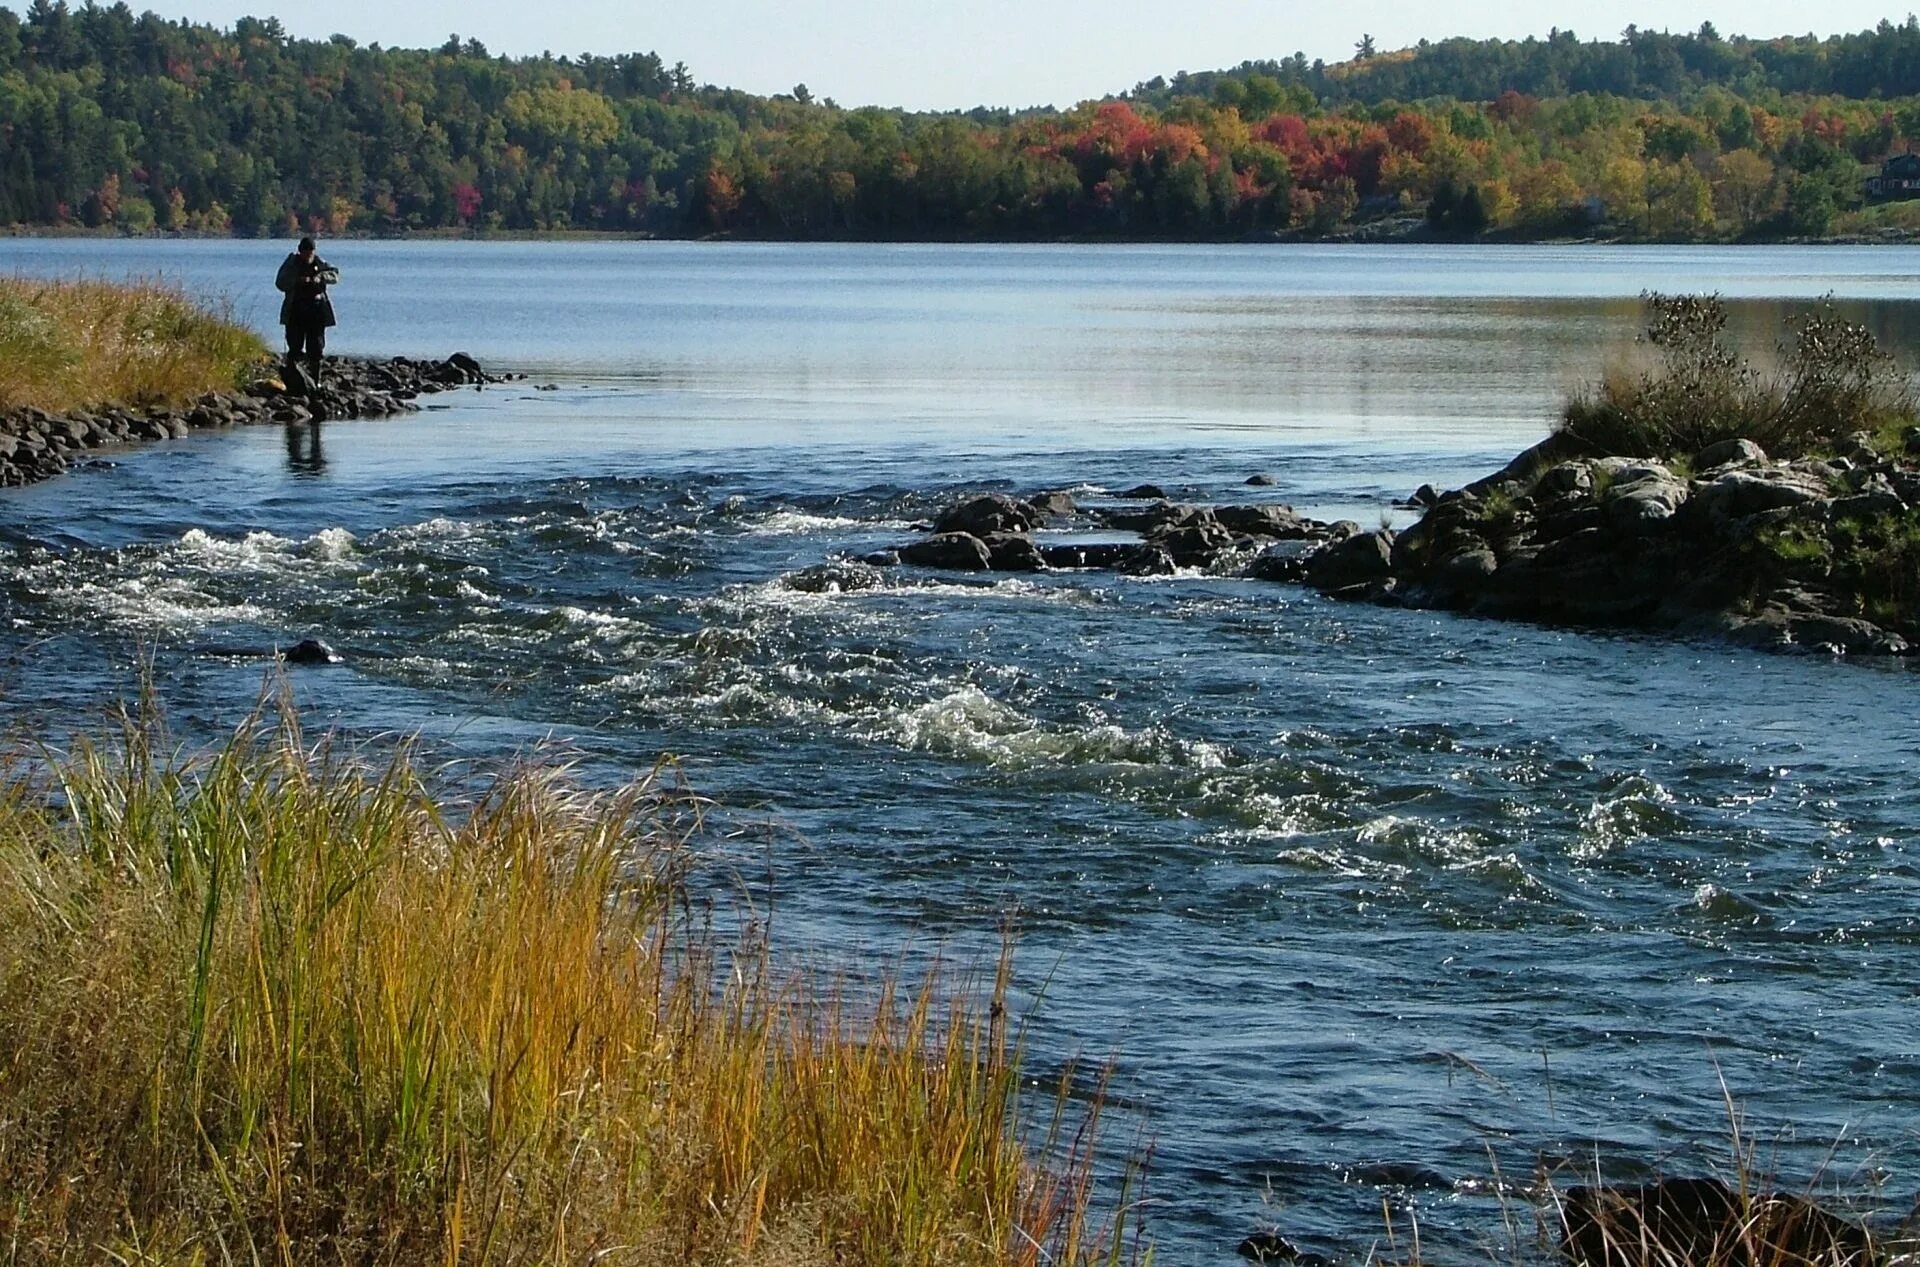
1364 903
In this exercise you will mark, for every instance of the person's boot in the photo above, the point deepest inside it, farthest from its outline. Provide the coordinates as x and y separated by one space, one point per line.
296 380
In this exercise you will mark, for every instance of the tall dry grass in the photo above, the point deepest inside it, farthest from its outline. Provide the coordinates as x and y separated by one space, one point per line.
68 345
273 1004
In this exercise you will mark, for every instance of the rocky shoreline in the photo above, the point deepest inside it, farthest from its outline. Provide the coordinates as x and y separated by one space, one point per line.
1813 553
37 445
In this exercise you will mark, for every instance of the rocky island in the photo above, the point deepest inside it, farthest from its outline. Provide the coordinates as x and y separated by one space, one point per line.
1700 496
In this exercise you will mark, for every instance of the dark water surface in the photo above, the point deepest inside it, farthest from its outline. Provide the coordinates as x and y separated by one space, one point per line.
1364 902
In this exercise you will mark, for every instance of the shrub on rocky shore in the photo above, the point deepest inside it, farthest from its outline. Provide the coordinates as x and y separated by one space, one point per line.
1833 381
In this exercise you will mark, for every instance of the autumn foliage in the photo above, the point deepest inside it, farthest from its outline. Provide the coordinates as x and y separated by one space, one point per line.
113 121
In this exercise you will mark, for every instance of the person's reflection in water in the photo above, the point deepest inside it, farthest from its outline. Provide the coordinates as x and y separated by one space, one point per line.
303 448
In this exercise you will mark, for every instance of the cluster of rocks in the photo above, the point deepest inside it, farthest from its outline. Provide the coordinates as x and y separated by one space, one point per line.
1813 552
995 533
1801 553
35 444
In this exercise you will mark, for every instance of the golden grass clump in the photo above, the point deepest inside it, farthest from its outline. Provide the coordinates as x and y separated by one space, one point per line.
274 1004
67 345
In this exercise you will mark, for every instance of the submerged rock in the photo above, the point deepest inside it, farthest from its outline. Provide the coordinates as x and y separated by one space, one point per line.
839 576
1268 1247
311 651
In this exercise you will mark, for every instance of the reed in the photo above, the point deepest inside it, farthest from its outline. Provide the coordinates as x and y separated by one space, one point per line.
280 1004
67 345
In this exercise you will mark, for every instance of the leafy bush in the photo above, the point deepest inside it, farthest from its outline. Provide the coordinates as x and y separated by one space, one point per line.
1833 380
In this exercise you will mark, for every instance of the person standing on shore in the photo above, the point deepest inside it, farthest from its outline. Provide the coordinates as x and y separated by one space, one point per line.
306 311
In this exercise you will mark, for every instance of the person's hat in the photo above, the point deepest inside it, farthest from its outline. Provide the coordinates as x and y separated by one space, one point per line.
306 244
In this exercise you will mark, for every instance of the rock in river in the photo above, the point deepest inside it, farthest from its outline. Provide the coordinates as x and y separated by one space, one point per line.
954 551
311 651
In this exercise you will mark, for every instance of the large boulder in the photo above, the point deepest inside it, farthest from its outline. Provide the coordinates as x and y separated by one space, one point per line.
988 515
1739 492
949 551
1195 543
1642 495
1362 559
1013 552
1273 522
1737 452
1161 514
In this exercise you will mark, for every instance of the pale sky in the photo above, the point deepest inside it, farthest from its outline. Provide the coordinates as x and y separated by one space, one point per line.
963 53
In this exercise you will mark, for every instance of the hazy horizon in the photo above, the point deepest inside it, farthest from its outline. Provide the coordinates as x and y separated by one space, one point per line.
991 52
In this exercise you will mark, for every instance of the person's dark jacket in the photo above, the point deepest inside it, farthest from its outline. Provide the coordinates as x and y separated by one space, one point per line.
305 286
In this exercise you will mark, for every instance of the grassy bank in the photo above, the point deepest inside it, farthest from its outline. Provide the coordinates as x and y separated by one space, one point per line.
273 1004
67 345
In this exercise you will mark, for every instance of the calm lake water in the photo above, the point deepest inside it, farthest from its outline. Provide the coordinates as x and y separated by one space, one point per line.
1365 904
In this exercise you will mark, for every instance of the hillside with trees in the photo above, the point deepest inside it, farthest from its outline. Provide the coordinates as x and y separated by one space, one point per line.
113 121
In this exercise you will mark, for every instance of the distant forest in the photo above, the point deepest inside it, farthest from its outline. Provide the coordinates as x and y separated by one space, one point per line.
110 120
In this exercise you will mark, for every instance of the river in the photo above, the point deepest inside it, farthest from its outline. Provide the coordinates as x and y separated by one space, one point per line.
1362 903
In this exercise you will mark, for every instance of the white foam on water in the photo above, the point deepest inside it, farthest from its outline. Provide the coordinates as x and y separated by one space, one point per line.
969 723
1276 817
333 545
598 620
1637 814
790 523
439 528
1342 862
1010 589
257 551
162 603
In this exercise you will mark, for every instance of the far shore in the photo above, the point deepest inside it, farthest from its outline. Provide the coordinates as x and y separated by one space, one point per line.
1407 232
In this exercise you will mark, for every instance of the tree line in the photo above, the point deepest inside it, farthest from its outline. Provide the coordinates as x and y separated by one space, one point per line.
112 120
